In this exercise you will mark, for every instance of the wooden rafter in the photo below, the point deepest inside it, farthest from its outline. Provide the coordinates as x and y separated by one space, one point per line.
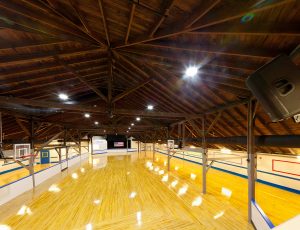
71 70
131 90
154 28
215 21
130 21
104 21
85 24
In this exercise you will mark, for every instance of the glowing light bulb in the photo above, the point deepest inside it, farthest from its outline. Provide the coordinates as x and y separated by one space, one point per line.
191 71
63 96
150 107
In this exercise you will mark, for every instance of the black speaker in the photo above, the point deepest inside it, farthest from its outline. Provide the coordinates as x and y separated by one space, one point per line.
276 86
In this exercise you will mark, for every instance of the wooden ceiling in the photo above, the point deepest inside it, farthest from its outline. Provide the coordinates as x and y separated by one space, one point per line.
114 57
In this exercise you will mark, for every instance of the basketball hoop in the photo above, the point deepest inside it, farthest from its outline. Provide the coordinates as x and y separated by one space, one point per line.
21 150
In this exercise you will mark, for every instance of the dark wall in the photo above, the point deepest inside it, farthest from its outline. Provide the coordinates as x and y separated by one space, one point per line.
111 139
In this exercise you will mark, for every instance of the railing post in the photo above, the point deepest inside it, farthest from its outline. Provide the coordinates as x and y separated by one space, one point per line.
251 156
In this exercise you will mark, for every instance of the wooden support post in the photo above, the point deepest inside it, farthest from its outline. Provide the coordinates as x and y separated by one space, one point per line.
169 159
251 156
31 134
79 142
92 149
183 134
67 155
204 157
153 151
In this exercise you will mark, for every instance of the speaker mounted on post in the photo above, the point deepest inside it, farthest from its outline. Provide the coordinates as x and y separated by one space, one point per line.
276 86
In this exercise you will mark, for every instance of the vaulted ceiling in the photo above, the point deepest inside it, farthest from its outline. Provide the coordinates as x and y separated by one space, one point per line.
113 58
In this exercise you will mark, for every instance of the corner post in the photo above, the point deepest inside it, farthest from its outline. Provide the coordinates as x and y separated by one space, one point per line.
251 160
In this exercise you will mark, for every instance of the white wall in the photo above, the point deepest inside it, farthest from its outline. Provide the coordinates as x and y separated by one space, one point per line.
14 189
279 170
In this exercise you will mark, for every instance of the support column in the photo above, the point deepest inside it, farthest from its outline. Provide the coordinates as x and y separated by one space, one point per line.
92 149
169 158
153 149
1 136
251 156
204 157
31 134
183 134
79 143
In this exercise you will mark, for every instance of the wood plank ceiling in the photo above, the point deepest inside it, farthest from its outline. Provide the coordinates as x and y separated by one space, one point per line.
114 57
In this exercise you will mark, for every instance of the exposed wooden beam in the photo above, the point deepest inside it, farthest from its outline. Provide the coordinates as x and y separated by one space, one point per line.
261 29
49 5
131 90
195 127
199 12
168 6
130 21
110 80
245 52
47 24
85 24
48 104
104 21
227 106
23 127
182 57
214 122
44 55
81 108
71 70
224 16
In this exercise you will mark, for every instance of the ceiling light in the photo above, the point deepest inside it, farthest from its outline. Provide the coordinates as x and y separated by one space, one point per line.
150 107
138 118
129 128
127 131
96 123
87 115
132 124
191 71
63 96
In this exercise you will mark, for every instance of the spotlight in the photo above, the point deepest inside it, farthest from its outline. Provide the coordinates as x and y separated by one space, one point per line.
150 107
87 115
132 124
191 71
129 128
138 118
96 123
63 96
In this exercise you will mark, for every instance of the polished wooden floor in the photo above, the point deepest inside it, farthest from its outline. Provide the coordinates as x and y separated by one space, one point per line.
19 173
126 193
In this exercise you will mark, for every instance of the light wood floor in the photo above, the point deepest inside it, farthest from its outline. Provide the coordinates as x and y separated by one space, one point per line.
125 194
20 173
